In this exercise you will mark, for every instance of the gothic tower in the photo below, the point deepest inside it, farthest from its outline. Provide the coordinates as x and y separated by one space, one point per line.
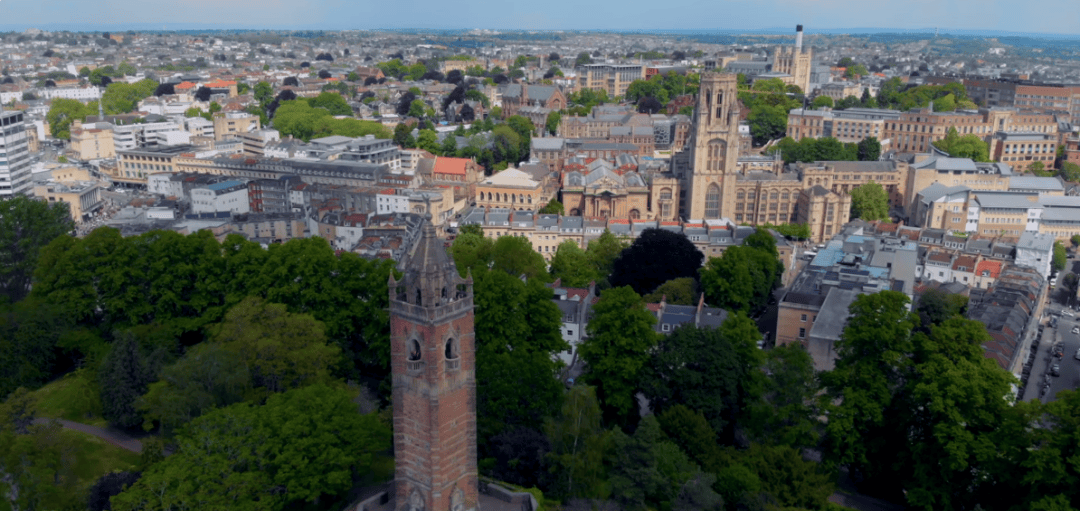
432 359
714 149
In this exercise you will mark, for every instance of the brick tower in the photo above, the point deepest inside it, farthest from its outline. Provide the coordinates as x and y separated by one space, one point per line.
432 358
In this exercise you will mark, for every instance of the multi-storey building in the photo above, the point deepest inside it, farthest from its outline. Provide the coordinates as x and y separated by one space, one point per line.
611 78
848 126
916 130
795 61
15 168
92 141
1022 149
229 124
83 197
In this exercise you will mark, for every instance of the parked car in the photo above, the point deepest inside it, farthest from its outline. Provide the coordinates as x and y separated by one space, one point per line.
1077 356
1068 313
1076 330
1055 369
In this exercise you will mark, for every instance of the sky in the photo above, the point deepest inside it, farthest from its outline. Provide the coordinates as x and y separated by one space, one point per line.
1038 16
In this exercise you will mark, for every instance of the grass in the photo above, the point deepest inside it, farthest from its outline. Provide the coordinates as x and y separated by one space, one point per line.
72 397
96 457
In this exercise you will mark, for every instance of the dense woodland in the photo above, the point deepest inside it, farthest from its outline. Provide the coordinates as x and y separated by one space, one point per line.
250 366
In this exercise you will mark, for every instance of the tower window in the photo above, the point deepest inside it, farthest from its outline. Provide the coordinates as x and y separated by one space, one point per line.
712 202
414 350
451 349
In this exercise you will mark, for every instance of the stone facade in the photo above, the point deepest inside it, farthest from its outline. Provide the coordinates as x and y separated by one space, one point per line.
432 358
709 166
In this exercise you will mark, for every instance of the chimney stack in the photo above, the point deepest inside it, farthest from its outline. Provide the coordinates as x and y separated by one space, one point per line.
798 38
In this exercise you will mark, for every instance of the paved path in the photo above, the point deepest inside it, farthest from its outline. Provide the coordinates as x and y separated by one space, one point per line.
111 435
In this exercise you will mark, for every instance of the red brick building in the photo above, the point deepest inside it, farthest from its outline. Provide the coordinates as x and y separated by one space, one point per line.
432 359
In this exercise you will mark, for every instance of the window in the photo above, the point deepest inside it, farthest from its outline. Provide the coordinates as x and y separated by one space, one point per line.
665 327
802 333
804 317
712 202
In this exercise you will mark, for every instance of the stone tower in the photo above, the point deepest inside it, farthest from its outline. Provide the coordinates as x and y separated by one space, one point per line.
795 61
714 136
432 358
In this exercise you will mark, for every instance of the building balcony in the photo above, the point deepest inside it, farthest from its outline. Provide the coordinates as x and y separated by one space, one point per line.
453 364
414 367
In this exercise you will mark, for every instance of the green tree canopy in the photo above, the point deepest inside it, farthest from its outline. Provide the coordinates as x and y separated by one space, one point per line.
299 119
331 102
967 146
63 112
26 225
870 202
572 266
714 371
680 291
620 337
578 442
301 447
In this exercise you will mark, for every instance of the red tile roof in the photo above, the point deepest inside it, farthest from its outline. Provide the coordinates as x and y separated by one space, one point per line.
220 84
184 86
446 165
994 267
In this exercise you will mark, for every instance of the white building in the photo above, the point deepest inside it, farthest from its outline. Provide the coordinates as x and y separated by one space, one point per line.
200 127
219 197
1035 251
133 136
77 93
168 184
15 169
173 137
391 203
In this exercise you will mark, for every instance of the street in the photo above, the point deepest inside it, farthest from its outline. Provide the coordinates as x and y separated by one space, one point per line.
1044 360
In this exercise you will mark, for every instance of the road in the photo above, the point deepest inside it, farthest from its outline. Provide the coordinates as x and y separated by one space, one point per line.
113 436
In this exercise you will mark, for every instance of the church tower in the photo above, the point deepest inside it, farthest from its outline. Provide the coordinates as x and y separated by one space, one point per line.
432 358
715 149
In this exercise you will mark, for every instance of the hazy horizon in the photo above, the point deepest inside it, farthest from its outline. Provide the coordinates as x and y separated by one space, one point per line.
961 16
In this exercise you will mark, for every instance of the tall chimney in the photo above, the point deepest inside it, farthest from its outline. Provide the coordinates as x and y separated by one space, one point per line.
798 38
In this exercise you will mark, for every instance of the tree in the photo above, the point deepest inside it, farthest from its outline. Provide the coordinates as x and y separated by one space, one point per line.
870 202
301 447
290 81
518 334
571 265
741 279
209 375
26 226
417 109
822 101
40 468
553 207
283 350
1069 171
935 306
333 103
552 122
856 71
515 256
109 485
713 371
577 445
84 72
869 149
680 291
1075 240
620 337
648 469
33 331
967 146
603 252
767 123
655 257
520 456
63 112
869 372
1060 257
124 376
788 413
203 94
582 59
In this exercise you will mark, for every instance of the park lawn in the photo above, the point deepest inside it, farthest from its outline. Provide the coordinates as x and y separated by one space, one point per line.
72 397
95 457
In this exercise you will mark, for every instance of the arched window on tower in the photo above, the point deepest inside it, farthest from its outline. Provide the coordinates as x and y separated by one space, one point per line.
712 201
453 361
716 154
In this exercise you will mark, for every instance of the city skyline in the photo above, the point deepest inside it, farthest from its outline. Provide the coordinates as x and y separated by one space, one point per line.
823 15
